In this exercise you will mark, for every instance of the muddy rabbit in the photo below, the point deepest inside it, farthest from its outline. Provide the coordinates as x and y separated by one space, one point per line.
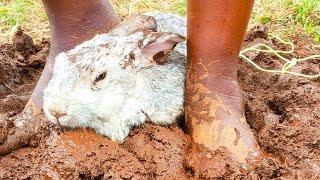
121 79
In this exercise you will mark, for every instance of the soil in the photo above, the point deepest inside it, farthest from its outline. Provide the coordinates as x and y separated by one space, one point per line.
283 111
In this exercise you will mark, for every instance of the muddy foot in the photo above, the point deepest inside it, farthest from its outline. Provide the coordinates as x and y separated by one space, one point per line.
18 132
215 116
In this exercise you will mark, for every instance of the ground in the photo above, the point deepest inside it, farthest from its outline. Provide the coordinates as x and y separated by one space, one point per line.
283 111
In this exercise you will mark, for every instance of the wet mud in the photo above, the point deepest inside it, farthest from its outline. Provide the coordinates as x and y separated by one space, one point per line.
283 111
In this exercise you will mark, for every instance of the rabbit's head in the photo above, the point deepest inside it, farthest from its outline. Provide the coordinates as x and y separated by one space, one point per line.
93 81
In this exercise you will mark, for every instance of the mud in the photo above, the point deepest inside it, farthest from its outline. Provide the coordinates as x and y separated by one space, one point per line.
283 112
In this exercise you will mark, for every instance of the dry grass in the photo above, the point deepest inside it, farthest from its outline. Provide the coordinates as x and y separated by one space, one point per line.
126 7
286 18
29 14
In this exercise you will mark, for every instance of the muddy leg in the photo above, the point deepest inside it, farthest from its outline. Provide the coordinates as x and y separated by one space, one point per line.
214 109
71 23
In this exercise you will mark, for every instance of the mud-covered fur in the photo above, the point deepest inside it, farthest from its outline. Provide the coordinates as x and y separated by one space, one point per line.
119 80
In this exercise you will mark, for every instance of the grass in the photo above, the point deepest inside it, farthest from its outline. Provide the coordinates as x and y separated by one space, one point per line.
285 18
29 14
289 17
126 7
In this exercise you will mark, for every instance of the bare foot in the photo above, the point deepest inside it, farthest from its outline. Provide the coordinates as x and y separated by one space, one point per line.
216 117
214 109
72 22
19 132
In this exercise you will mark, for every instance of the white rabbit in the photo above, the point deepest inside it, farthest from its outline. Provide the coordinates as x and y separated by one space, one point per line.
121 79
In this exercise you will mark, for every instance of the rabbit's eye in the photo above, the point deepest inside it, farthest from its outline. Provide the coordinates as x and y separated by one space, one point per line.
96 83
100 77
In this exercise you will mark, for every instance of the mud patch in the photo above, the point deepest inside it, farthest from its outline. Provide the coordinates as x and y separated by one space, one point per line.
282 110
20 66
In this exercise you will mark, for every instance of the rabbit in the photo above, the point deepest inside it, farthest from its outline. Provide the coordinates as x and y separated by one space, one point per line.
121 79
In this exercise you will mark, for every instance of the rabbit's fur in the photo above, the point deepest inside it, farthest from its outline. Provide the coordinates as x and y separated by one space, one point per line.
121 79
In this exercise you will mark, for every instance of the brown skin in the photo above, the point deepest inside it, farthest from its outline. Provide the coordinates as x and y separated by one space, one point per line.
214 108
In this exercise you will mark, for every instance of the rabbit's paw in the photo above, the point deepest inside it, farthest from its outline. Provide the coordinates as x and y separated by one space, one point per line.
115 132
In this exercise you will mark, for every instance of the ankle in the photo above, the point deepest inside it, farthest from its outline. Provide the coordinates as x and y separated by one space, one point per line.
73 22
223 85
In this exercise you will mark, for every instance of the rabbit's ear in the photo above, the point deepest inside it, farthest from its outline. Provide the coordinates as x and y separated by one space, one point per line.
135 24
160 47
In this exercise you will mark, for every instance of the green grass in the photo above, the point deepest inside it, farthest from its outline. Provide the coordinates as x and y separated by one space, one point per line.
285 18
289 17
181 9
29 14
307 13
